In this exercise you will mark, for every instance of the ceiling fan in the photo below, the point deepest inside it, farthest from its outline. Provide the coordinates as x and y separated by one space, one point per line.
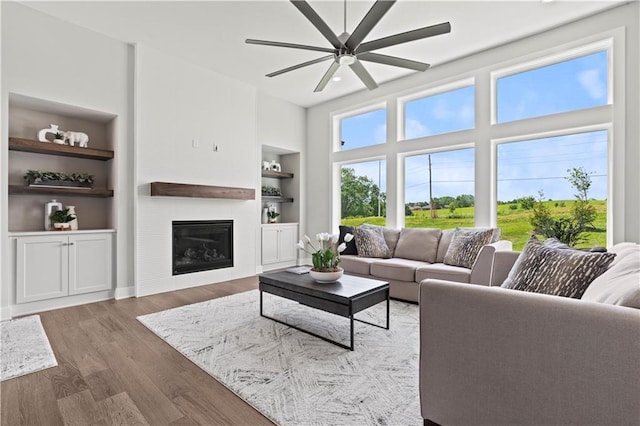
349 49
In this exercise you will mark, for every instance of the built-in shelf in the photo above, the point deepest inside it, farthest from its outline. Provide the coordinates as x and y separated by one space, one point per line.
80 192
276 199
276 175
28 145
169 189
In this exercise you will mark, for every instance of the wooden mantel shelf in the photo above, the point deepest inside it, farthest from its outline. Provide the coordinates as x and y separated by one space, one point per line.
168 189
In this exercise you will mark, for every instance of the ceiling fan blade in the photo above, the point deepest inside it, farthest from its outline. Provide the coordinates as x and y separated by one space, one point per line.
327 76
304 64
291 45
392 60
375 14
418 34
317 22
363 75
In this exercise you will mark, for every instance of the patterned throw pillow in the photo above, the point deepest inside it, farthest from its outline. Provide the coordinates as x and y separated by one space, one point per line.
465 246
351 245
371 243
564 272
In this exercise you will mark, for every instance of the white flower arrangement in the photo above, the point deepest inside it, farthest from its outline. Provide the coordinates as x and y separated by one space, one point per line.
326 257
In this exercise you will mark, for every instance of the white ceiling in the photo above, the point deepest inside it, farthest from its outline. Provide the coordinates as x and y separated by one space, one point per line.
212 33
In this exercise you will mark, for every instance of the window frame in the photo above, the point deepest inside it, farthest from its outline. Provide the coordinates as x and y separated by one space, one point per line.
605 44
428 92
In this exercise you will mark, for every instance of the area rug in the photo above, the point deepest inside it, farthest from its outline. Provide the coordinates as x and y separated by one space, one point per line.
294 378
24 348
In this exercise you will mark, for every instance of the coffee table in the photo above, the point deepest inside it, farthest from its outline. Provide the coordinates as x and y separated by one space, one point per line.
346 297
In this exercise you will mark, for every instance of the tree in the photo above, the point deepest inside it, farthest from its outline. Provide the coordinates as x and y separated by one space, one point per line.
407 210
565 229
360 196
465 200
583 212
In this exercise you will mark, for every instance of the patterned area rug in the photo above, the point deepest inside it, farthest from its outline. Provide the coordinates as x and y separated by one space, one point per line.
297 379
24 348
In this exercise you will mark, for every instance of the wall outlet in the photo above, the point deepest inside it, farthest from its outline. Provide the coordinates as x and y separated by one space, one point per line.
194 143
215 147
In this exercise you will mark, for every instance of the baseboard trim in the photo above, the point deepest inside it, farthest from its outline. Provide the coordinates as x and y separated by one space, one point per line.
124 292
5 314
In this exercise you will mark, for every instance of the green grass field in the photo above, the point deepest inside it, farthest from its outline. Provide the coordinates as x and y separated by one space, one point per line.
514 223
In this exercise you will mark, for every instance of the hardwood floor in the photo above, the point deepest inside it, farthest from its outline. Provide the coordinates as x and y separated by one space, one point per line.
114 371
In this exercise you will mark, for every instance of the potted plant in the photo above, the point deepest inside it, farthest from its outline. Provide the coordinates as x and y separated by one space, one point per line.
326 257
272 214
59 138
46 178
61 219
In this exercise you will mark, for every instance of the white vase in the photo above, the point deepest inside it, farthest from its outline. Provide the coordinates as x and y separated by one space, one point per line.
326 277
60 226
42 134
74 222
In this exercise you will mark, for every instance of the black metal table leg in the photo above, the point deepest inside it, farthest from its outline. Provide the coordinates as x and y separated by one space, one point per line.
388 311
351 320
261 303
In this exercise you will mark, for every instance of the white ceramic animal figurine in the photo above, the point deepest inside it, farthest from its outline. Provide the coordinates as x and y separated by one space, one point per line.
82 139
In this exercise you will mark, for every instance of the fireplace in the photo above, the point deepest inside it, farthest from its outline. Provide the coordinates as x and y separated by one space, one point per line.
201 245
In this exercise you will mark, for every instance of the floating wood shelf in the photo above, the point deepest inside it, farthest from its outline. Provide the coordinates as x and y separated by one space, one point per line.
275 199
276 175
168 189
79 192
28 145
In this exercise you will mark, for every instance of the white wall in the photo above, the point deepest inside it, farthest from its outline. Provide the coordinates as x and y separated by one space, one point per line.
176 103
49 59
626 152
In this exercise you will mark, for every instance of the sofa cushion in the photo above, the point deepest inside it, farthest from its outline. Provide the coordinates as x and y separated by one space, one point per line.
561 272
391 236
371 243
418 244
465 246
395 269
441 271
620 284
351 245
443 244
354 264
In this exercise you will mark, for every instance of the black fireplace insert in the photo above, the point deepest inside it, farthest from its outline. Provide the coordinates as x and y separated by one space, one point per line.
201 245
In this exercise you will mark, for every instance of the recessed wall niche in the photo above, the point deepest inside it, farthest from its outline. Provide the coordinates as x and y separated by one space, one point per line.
27 116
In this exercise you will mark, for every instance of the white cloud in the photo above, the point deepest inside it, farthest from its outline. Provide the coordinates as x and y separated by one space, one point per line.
415 129
592 82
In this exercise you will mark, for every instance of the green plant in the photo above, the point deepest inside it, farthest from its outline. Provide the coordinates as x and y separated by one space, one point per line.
272 214
326 257
61 216
37 176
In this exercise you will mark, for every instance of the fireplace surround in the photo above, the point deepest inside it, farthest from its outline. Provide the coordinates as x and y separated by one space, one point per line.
202 245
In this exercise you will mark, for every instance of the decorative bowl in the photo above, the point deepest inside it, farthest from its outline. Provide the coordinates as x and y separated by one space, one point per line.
326 277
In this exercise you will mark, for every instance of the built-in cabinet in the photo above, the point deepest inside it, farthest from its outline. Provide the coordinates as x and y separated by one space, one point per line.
59 264
53 269
279 244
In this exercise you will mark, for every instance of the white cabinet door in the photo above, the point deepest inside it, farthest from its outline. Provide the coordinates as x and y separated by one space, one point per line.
287 243
42 268
90 267
270 236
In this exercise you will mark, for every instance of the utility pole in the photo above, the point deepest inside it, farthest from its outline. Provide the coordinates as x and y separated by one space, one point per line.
432 210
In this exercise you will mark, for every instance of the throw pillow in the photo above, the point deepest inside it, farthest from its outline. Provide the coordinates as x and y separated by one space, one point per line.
560 272
465 246
351 245
370 242
418 244
620 284
391 236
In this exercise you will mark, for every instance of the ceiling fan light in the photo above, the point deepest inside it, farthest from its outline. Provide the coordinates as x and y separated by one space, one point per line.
346 59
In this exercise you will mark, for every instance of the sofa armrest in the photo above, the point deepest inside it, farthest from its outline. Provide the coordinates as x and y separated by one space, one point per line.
481 270
494 356
502 264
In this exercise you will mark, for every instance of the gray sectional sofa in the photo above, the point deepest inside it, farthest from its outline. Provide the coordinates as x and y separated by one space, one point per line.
418 254
498 356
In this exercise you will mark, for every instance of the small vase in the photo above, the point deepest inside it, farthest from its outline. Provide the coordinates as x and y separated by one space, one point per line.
326 277
273 220
74 223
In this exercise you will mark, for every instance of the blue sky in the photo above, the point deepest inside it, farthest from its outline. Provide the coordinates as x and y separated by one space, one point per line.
524 167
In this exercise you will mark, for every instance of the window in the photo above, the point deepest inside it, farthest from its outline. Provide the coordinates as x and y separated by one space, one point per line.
539 171
362 193
564 86
363 130
439 189
442 113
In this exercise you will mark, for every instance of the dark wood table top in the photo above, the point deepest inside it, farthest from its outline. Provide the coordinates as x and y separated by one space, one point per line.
347 288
